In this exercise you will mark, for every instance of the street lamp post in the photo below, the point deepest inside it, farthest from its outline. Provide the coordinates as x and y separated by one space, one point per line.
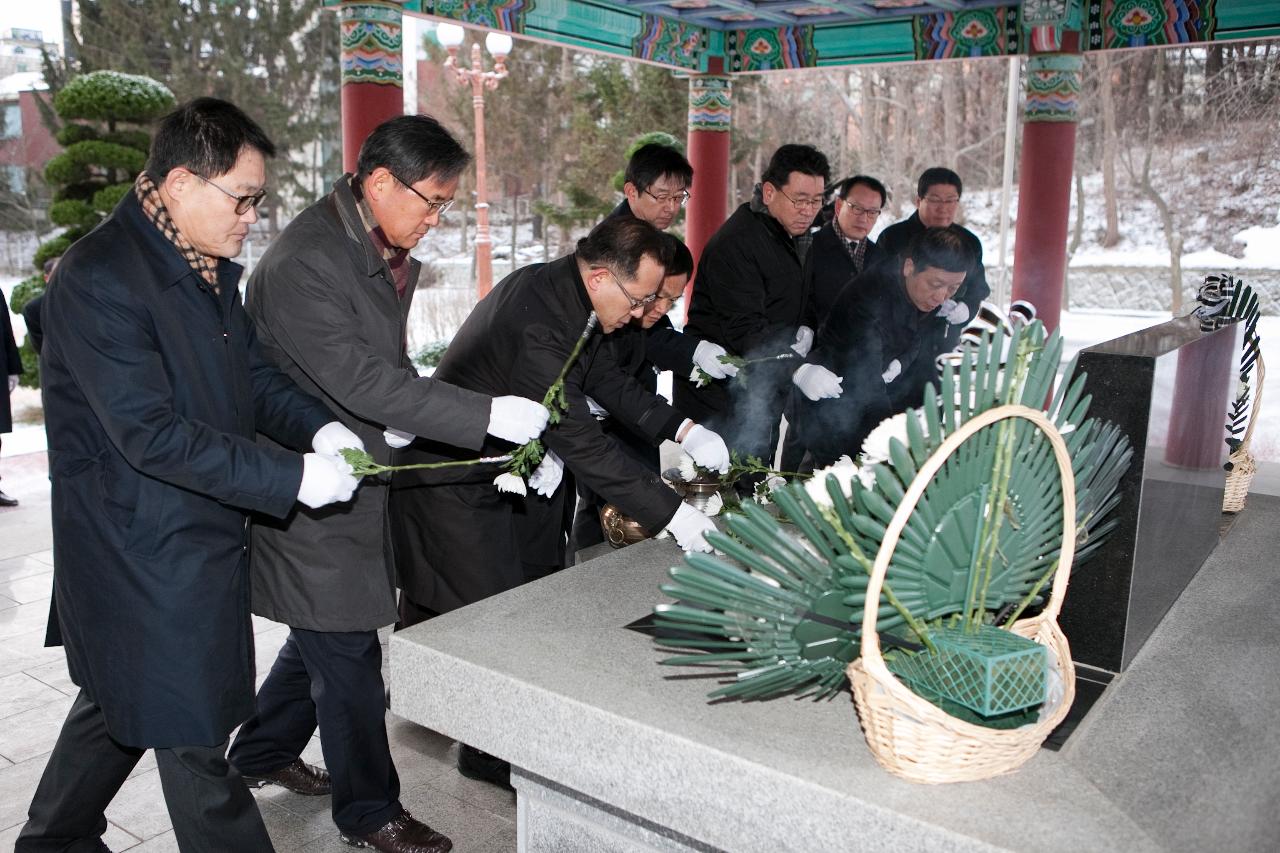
499 46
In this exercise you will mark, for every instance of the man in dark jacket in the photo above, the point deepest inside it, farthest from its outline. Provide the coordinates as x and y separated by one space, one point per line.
882 337
12 364
842 249
749 298
154 388
937 203
330 299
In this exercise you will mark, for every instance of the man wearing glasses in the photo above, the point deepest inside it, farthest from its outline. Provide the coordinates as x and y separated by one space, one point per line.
937 204
749 298
330 299
843 248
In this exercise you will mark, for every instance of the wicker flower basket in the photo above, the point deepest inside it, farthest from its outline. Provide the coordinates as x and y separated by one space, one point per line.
913 738
1242 465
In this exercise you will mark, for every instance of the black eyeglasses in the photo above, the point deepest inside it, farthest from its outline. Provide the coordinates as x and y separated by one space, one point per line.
432 206
802 203
635 304
243 202
679 198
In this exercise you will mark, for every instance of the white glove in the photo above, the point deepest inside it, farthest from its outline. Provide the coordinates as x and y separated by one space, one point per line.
707 449
325 480
689 527
817 383
332 437
516 419
596 410
547 476
13 382
707 356
396 438
804 341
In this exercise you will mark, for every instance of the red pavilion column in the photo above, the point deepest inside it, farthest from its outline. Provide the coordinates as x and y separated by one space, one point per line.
710 112
372 89
1044 181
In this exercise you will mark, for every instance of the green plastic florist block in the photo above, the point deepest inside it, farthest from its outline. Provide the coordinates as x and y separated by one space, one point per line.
989 670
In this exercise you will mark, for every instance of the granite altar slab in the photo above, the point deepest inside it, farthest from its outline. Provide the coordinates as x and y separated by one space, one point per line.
1167 387
618 753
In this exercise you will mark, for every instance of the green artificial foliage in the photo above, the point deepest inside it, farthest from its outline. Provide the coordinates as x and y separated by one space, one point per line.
110 96
781 609
72 212
30 376
430 355
70 134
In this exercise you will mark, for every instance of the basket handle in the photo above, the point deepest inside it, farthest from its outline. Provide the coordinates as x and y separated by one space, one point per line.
871 659
1257 401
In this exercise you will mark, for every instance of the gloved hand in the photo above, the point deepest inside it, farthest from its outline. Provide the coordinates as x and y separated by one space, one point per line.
689 527
396 438
707 356
817 383
325 480
516 419
707 449
332 437
804 341
13 382
547 476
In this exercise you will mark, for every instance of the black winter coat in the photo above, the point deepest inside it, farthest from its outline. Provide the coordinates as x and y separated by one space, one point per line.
895 239
827 269
12 365
456 541
154 388
327 313
871 325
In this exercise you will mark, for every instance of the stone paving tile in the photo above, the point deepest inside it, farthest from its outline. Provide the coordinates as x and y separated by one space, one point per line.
6 602
20 692
22 567
24 619
138 808
165 842
26 651
28 589
17 786
54 673
33 733
503 842
469 826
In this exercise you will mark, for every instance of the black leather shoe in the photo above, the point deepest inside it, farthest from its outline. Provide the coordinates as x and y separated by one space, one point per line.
5 500
402 834
475 764
297 776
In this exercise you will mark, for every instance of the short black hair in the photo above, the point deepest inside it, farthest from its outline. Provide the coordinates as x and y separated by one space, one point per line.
938 175
412 148
653 161
619 242
49 265
941 248
846 186
681 262
804 159
206 136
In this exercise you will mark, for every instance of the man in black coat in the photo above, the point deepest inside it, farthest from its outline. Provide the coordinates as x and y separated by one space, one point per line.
154 388
12 364
937 203
882 337
749 298
330 299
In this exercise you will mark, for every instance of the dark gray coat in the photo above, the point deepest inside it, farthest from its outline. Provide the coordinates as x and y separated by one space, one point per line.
154 389
327 313
12 363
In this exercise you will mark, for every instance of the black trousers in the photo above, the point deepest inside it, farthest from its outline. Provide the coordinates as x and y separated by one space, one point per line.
208 802
333 680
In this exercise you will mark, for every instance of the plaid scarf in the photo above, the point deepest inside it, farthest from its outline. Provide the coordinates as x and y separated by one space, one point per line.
153 208
855 249
397 259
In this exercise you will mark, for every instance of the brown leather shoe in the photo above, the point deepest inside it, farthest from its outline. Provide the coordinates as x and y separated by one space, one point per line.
297 776
402 834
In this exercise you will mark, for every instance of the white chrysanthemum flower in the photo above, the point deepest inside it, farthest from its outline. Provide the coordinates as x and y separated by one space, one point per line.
688 470
875 448
816 486
715 504
511 483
